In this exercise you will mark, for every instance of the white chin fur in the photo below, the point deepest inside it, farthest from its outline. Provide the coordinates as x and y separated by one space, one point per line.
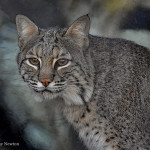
49 96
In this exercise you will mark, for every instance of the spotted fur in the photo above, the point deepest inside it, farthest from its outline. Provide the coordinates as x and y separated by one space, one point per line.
103 90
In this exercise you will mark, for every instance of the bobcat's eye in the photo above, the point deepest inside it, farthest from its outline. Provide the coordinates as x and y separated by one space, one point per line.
34 61
62 62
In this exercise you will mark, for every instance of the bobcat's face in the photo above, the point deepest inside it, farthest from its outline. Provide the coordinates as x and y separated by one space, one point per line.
51 69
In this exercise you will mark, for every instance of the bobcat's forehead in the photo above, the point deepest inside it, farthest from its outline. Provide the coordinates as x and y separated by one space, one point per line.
47 42
48 49
49 57
42 51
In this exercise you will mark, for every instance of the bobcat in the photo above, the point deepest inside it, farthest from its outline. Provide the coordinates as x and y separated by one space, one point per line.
101 85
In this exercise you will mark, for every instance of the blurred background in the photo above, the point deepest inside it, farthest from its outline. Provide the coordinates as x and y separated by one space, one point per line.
30 125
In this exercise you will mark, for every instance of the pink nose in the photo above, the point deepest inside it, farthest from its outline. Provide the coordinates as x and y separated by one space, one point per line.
45 82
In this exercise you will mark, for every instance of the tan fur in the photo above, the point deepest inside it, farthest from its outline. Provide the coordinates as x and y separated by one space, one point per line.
85 122
104 90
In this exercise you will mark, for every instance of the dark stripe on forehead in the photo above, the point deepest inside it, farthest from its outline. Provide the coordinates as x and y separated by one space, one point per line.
47 41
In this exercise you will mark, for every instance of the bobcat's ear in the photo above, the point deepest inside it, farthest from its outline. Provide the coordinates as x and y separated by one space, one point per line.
26 29
79 30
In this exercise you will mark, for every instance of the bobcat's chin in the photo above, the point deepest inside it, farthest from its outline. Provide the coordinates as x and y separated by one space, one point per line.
44 95
47 95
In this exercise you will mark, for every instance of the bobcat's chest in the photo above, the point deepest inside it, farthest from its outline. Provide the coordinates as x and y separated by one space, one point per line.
94 139
96 135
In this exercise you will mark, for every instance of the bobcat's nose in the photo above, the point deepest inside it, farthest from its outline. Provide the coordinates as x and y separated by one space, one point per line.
45 82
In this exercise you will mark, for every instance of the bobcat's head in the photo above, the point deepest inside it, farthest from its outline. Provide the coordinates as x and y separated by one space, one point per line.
56 62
